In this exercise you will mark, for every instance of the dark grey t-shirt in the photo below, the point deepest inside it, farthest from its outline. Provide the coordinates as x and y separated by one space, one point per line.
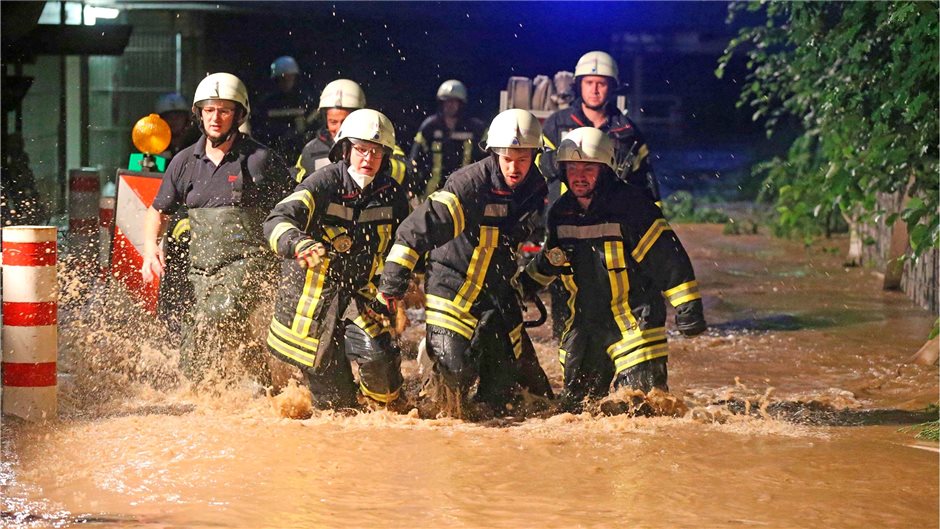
250 175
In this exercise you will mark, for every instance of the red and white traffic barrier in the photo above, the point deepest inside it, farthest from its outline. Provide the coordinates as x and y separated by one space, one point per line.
30 330
105 223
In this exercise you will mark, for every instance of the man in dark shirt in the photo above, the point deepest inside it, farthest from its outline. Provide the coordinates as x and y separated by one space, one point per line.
228 182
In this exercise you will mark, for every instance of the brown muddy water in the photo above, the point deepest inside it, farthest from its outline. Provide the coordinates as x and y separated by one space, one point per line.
795 400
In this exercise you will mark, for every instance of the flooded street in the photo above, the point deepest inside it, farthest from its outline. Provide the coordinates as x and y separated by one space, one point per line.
796 396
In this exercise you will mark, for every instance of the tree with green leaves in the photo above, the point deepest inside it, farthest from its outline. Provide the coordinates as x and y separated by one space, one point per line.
861 79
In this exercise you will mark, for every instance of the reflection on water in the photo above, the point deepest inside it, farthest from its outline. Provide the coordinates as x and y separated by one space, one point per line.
788 413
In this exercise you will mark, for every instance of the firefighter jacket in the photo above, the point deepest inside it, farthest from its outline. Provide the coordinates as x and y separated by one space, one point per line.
316 155
618 260
355 225
470 230
633 163
438 151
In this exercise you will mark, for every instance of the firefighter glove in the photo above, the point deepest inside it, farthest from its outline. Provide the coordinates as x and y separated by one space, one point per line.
311 256
690 319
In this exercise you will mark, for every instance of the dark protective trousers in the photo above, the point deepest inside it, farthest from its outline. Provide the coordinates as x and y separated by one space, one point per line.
343 339
589 371
487 357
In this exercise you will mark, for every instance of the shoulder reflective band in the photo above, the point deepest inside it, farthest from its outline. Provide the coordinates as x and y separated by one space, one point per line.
591 231
649 238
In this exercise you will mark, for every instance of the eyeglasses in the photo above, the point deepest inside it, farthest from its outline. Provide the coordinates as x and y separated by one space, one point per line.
221 111
365 152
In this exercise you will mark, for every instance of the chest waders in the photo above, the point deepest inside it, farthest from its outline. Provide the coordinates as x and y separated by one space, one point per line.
229 269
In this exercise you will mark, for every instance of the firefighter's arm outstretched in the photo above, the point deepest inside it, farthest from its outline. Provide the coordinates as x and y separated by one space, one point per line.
154 227
661 257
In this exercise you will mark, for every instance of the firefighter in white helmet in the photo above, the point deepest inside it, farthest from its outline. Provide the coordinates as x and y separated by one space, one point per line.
470 230
333 234
284 113
177 113
338 99
228 181
617 258
596 80
446 141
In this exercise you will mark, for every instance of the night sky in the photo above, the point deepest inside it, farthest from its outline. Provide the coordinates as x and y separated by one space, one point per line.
401 52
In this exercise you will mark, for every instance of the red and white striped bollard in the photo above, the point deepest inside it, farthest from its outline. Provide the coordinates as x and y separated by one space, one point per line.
30 329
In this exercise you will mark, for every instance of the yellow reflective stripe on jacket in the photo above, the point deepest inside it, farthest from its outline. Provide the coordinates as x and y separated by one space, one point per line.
402 255
640 156
467 152
304 197
478 266
453 206
445 313
437 161
515 338
378 262
398 170
285 342
613 255
567 280
384 398
562 357
635 339
548 143
301 171
181 227
310 298
537 276
446 321
620 300
683 293
370 327
279 229
649 239
639 356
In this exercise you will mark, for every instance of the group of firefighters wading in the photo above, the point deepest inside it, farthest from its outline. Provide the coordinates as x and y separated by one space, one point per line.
365 223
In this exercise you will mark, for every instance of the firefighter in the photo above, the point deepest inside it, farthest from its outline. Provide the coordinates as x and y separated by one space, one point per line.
446 141
595 80
617 257
470 230
283 114
227 181
338 99
333 233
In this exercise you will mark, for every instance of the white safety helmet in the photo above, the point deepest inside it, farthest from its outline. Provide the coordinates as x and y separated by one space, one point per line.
364 124
342 93
452 89
596 63
514 129
587 144
222 86
171 102
283 66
